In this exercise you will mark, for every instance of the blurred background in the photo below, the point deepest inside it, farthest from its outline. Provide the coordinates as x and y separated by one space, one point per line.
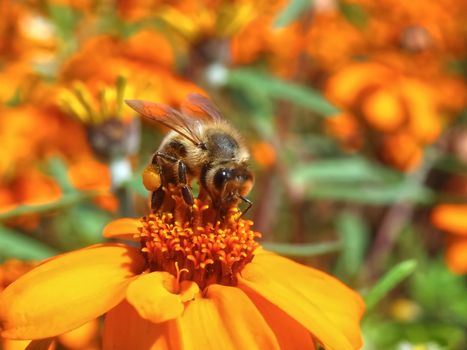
354 112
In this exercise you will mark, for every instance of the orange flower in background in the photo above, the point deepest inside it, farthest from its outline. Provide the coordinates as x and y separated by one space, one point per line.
347 40
88 174
346 128
190 284
25 34
264 154
384 101
30 134
435 26
10 271
151 68
452 218
33 132
32 187
261 40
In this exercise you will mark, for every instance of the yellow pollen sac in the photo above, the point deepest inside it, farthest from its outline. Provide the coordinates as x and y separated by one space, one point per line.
198 249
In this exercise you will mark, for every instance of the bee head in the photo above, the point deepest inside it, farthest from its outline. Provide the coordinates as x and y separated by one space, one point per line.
230 183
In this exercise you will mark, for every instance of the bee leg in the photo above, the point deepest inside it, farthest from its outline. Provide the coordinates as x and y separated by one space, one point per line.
186 191
182 181
157 198
249 203
165 156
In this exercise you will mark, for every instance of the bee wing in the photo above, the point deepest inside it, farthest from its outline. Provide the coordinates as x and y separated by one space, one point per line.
184 125
196 103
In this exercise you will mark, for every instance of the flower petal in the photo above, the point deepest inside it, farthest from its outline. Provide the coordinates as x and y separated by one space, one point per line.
322 304
225 319
67 291
151 298
456 255
82 337
125 329
41 344
289 333
8 344
451 218
124 228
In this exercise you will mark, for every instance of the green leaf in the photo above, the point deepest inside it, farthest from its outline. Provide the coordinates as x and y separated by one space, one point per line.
355 14
302 250
447 303
80 226
389 281
65 19
255 81
367 193
260 108
58 169
15 100
64 201
341 170
291 12
386 333
16 245
354 235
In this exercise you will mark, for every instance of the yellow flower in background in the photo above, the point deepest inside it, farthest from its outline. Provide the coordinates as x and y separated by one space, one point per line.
189 285
193 20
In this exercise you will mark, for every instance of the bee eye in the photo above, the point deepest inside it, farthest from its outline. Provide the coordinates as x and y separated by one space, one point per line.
221 177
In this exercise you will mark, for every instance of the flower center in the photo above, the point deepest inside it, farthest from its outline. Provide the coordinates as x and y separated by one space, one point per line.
200 249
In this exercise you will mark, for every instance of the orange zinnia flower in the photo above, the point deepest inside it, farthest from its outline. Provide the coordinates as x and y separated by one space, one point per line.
452 218
391 109
192 284
84 337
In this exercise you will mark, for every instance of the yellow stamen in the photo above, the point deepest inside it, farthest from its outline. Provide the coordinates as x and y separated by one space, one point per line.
199 249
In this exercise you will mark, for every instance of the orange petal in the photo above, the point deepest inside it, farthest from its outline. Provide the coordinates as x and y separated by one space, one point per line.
41 344
451 218
322 304
125 329
150 297
67 291
225 319
8 344
124 228
188 291
82 337
456 255
289 333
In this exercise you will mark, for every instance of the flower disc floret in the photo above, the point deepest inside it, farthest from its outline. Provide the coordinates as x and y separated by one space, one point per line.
198 250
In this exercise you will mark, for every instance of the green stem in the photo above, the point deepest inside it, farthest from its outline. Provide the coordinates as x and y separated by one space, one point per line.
65 201
303 250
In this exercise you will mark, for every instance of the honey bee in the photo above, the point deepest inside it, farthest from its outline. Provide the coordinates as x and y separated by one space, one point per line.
200 146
